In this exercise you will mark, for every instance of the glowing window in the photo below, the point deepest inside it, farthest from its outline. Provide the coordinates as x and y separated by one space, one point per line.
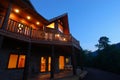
52 25
13 61
61 62
21 62
60 28
16 61
43 64
49 63
67 60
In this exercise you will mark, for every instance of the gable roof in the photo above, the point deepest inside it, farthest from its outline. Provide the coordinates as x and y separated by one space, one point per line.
58 17
29 3
64 19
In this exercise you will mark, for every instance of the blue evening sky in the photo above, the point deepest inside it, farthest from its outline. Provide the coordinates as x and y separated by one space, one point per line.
88 19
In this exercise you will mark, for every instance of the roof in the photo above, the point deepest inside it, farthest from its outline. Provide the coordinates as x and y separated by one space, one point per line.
58 17
64 19
29 3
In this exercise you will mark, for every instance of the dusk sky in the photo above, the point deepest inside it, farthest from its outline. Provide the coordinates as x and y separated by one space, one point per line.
88 19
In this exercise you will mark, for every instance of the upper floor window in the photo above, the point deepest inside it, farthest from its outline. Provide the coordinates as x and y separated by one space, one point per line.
60 28
52 25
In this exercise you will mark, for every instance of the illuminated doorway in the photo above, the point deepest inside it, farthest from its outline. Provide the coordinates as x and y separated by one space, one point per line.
49 63
61 62
45 64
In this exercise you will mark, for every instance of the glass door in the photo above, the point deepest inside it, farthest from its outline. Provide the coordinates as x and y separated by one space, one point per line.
43 64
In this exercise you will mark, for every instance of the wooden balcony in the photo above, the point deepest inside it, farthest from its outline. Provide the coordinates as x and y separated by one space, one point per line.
24 32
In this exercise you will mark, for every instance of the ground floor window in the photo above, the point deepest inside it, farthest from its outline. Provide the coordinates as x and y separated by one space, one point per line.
61 62
16 61
49 63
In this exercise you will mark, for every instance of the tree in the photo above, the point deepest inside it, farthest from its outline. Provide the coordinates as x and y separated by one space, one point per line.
103 43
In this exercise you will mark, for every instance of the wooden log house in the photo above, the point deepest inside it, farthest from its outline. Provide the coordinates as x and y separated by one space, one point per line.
30 44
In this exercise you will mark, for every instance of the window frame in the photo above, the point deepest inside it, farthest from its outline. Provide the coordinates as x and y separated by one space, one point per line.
17 62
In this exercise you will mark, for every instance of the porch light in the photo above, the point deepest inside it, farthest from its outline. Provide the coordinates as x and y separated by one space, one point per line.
64 39
58 35
28 17
37 23
16 10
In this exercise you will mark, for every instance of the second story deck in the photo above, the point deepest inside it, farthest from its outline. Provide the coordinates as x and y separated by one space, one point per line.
24 23
17 30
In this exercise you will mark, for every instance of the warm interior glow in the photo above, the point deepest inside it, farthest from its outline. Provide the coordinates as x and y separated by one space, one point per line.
17 10
61 62
43 64
52 25
67 60
60 28
64 39
37 23
28 17
49 63
21 62
12 61
58 35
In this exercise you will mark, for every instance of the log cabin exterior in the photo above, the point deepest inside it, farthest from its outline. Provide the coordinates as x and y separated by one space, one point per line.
29 43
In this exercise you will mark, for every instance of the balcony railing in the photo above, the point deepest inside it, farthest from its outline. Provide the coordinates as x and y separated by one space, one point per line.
25 30
1 20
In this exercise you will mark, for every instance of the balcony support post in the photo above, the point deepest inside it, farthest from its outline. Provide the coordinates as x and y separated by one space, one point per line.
5 21
73 61
52 64
1 41
27 63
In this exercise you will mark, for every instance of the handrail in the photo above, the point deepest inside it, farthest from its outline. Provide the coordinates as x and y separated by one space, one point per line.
22 29
76 42
18 27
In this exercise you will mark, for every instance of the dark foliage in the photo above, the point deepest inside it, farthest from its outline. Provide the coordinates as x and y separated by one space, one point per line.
107 59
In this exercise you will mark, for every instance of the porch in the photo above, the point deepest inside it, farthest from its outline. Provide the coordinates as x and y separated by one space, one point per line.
63 75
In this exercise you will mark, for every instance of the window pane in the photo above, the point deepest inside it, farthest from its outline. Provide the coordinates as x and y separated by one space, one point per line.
49 63
61 62
67 60
60 28
43 64
13 61
21 62
51 25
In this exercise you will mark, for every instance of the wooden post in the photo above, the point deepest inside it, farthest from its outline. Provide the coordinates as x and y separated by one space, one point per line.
1 41
5 21
52 63
46 63
56 25
27 62
73 61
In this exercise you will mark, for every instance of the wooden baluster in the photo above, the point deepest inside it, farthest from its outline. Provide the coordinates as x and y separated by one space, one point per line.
16 27
24 33
10 26
1 21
